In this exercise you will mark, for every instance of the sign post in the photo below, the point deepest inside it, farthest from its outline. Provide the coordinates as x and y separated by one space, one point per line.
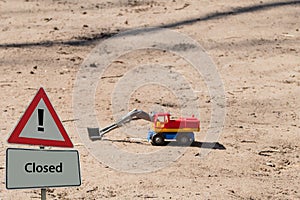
40 168
43 190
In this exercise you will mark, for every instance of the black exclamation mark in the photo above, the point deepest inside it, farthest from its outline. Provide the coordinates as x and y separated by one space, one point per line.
41 120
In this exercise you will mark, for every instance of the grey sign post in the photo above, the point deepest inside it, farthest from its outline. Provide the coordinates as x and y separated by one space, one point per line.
38 168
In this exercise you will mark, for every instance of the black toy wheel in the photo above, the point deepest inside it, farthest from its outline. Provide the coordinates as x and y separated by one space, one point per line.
184 140
158 140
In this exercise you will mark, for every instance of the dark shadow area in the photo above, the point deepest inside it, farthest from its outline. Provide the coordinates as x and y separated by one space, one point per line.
234 11
126 141
82 41
209 145
203 145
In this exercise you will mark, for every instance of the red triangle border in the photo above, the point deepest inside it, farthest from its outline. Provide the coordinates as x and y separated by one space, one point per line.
15 135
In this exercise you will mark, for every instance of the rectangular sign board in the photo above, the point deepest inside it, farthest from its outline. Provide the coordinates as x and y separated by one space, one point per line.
38 168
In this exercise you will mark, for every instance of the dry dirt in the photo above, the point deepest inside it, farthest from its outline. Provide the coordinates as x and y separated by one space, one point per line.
255 46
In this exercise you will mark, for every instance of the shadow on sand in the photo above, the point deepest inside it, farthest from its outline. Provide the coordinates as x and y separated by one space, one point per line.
203 145
88 40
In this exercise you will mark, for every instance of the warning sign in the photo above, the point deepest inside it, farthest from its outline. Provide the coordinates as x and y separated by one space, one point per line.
40 125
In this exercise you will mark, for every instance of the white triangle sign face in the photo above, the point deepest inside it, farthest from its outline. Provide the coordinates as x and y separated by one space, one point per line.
40 125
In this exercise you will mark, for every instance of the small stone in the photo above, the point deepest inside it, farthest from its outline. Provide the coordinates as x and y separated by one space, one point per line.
270 164
47 19
93 65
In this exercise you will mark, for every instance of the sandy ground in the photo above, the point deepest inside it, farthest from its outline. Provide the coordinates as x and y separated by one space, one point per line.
255 46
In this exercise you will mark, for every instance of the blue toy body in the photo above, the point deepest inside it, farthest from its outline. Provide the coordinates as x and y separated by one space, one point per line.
161 138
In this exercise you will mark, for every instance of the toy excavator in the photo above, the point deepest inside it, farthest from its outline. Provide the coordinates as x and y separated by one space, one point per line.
164 129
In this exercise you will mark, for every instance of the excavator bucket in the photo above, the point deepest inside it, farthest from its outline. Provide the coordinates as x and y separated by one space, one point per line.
94 134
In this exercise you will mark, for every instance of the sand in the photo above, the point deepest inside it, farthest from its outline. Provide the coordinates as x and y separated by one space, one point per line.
254 46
